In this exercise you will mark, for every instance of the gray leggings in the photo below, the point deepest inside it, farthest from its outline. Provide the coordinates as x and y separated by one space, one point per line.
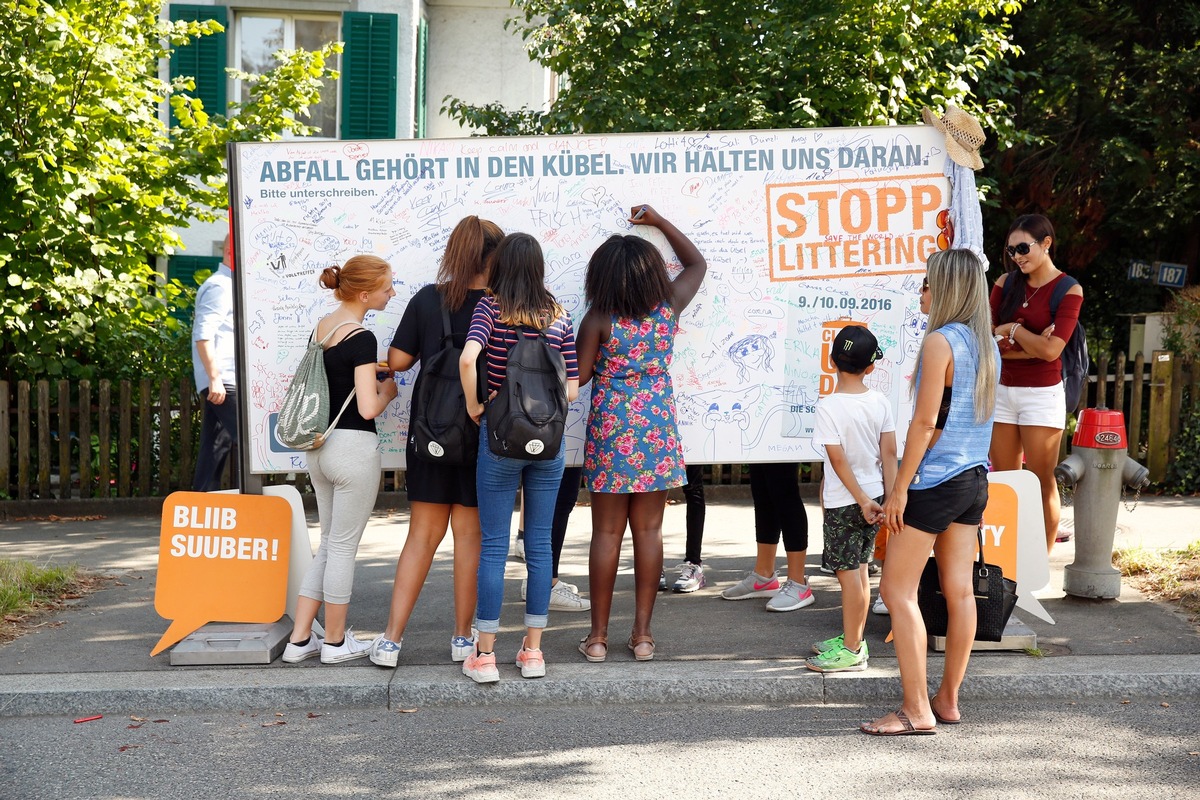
345 477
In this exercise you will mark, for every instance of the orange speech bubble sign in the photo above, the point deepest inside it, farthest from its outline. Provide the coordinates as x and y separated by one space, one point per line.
1000 529
221 558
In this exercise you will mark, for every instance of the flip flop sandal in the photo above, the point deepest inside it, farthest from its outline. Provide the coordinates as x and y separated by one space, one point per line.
635 641
942 720
907 730
586 642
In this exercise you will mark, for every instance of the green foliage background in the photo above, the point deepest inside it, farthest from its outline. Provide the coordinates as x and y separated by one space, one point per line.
93 184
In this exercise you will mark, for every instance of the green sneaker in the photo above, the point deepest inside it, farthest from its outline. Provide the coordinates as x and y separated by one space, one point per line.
828 644
839 659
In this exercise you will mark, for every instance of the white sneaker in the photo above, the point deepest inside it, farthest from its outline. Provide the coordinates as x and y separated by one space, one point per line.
385 652
570 587
348 650
565 597
295 653
880 608
792 595
691 578
461 646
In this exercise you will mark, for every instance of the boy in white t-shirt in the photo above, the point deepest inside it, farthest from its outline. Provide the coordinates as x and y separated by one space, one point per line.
858 433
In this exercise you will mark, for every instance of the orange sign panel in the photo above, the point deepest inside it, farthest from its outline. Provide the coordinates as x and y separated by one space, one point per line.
221 558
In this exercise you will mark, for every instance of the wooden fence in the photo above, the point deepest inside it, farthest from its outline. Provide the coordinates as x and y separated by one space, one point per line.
66 439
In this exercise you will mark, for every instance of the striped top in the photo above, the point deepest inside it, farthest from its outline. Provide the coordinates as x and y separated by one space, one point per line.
496 338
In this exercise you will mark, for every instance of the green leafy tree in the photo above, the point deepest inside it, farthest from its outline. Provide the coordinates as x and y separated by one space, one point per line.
93 183
1106 98
678 65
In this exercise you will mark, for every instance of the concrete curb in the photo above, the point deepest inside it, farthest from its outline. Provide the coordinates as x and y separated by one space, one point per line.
666 682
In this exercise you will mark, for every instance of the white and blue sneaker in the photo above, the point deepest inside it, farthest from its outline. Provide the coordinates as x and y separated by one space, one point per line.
461 646
385 652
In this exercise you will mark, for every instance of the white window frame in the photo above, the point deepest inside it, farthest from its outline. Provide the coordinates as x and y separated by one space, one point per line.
289 43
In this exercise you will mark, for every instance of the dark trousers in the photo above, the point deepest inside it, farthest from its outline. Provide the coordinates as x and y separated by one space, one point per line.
778 508
218 435
693 498
568 493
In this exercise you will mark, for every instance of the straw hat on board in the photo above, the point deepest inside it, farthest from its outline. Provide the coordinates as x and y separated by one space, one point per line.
964 135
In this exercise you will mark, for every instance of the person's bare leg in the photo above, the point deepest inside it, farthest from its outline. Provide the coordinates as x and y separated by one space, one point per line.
856 597
306 613
908 551
764 559
335 621
610 515
1041 457
1005 452
426 529
464 522
796 566
956 549
645 521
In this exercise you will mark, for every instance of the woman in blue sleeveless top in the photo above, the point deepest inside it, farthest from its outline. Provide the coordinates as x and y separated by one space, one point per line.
941 488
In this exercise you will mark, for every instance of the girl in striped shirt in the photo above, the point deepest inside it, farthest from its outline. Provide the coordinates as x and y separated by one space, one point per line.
517 304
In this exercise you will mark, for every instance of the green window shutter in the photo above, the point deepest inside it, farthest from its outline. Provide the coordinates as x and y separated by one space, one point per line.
422 73
204 59
184 269
369 75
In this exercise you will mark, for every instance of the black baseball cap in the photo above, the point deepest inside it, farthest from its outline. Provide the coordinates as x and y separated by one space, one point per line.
855 348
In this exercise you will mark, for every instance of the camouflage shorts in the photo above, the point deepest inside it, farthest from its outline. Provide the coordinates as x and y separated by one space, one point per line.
849 539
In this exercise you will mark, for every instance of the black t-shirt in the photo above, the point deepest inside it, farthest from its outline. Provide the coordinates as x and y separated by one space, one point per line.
358 348
420 330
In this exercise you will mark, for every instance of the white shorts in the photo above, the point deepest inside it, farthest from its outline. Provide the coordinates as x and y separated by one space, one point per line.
1040 406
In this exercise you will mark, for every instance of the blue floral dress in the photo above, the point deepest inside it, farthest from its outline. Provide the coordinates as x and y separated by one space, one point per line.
632 441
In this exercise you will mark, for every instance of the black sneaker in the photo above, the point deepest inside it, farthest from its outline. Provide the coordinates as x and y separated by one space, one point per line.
662 581
825 568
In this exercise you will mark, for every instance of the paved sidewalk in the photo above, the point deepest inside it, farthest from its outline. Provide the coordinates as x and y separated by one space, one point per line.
94 656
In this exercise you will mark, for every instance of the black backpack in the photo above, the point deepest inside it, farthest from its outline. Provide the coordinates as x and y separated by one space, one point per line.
1075 361
527 417
440 431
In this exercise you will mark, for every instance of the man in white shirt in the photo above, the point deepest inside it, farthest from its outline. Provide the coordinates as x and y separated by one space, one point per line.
213 353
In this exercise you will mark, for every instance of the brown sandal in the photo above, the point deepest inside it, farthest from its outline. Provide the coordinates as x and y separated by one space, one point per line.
636 641
586 642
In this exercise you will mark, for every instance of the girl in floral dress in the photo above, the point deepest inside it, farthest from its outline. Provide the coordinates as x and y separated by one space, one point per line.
633 453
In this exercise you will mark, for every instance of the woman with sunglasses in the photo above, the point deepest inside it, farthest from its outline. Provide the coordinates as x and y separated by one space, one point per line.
1031 406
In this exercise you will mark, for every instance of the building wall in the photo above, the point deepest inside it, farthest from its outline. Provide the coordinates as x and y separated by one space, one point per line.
473 57
470 55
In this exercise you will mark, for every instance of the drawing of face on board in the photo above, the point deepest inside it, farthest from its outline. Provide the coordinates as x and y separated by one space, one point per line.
751 353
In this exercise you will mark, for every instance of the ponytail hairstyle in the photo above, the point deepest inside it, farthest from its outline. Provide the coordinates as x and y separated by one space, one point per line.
361 273
627 276
518 283
1040 229
468 255
958 293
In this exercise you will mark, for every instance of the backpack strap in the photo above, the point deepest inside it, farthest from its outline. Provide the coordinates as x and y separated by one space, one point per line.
329 335
447 332
1060 291
350 396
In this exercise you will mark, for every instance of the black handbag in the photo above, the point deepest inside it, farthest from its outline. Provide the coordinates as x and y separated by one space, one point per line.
995 599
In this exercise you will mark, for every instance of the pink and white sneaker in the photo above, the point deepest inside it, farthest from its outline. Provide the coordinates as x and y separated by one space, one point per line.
480 668
531 662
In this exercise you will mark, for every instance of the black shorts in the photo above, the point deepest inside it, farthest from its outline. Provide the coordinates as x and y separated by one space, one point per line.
959 500
427 482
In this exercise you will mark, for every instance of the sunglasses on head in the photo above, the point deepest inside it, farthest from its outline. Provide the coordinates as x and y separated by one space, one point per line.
1021 249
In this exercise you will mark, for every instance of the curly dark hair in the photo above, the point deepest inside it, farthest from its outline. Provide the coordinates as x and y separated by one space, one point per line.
627 276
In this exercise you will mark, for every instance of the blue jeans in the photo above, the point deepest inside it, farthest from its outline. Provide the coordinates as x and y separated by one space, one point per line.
497 479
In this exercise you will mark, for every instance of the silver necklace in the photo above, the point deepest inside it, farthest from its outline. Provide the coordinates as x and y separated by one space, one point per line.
1031 296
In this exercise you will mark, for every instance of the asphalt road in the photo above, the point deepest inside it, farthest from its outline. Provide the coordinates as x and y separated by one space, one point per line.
1138 749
